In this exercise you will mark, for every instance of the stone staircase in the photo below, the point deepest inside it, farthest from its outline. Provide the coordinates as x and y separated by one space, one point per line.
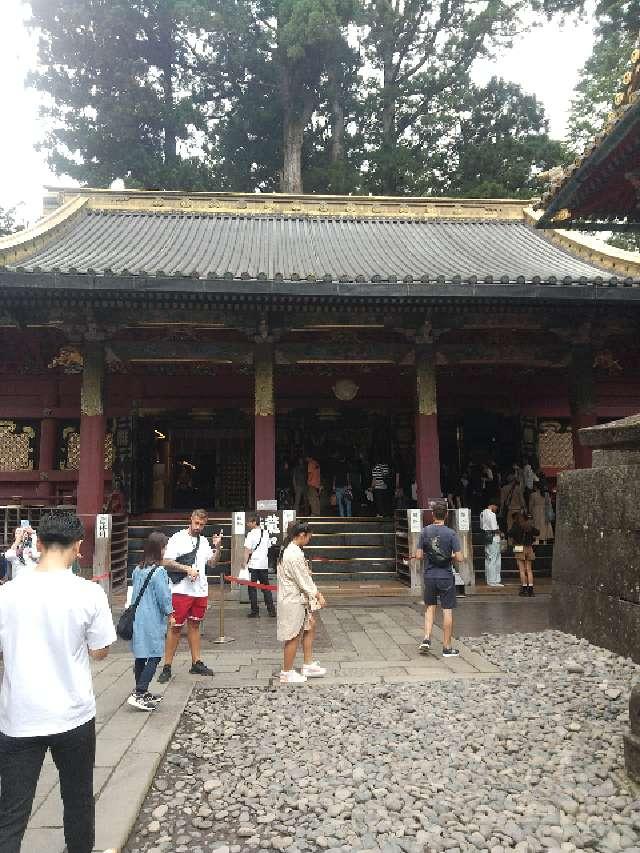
349 549
352 549
140 526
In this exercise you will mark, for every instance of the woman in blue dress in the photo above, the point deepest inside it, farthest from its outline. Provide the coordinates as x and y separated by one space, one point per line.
150 625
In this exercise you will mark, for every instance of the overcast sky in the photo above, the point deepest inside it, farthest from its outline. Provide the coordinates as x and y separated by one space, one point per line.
544 62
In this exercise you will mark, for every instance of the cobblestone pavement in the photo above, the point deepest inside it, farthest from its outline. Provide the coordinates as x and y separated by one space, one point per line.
530 759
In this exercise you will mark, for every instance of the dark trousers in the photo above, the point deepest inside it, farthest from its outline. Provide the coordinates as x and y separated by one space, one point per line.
382 501
21 760
260 576
145 669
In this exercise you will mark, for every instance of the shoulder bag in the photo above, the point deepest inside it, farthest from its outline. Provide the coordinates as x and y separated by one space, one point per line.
185 560
124 628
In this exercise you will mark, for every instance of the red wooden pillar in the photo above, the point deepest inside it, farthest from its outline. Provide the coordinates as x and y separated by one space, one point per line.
92 434
48 443
264 477
582 400
427 440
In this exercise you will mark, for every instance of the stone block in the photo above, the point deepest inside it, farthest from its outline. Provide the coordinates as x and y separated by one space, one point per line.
599 497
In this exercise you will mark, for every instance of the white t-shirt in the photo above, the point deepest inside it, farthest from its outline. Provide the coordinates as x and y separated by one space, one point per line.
488 520
529 477
259 548
30 557
48 621
182 543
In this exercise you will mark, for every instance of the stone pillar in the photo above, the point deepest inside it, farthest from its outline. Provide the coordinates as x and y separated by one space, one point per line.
582 400
427 442
92 435
264 479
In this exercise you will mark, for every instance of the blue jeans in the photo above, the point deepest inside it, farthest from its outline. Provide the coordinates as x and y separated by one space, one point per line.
145 669
343 502
492 562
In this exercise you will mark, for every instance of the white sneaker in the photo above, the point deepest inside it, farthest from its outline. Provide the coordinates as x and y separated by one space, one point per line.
292 677
140 702
313 670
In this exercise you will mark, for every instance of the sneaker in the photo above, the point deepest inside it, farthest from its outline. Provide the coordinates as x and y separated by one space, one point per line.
450 653
523 591
530 591
292 677
313 670
425 646
253 614
165 675
153 697
199 668
140 702
272 613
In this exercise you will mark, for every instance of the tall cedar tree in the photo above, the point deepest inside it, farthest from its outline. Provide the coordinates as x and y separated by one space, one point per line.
120 86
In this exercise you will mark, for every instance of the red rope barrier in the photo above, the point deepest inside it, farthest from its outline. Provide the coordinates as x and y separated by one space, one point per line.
240 582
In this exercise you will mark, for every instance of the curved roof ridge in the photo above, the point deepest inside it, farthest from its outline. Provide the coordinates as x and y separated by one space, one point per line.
37 235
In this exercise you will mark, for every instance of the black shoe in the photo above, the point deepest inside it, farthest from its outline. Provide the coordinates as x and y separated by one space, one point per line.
272 613
450 653
530 592
523 591
198 668
165 675
425 647
253 614
153 697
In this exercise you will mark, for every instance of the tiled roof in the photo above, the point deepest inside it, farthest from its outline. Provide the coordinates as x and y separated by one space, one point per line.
290 248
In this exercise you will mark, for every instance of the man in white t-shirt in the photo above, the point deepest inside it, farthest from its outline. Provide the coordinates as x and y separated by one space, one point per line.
51 623
186 558
256 558
492 554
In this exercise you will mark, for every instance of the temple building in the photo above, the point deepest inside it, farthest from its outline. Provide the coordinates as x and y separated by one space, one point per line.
177 349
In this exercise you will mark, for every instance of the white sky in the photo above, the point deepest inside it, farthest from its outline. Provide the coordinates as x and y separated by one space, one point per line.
545 62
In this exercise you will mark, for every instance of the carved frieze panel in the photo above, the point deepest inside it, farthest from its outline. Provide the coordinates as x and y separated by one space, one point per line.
17 446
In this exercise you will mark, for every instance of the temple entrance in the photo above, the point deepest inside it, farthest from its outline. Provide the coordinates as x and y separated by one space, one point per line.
198 461
359 437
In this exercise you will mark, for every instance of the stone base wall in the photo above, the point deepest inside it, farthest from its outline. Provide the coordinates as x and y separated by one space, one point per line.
596 558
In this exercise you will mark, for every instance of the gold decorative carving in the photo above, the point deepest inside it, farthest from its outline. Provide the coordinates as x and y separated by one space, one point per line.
426 384
69 358
71 461
16 447
263 377
91 402
555 449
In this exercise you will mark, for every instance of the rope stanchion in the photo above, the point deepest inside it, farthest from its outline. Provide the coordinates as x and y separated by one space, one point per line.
221 637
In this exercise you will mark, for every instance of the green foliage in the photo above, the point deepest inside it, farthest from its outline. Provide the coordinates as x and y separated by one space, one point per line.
616 32
264 94
8 222
628 240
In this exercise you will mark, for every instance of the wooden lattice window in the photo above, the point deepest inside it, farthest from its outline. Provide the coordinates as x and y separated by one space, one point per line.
17 446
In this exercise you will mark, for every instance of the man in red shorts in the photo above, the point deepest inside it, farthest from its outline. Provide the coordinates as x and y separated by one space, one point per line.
186 558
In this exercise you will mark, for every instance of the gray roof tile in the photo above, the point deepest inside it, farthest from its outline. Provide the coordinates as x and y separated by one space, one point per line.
281 248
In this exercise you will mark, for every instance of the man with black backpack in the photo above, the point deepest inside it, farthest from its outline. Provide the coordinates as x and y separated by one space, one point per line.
186 558
440 546
256 558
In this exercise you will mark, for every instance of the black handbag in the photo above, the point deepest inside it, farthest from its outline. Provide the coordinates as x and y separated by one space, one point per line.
184 560
124 628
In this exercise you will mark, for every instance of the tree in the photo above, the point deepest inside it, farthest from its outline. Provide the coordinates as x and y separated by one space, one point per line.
422 51
8 222
122 99
615 35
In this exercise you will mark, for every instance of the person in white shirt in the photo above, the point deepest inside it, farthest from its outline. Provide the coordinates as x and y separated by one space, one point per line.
492 555
52 623
256 558
23 555
186 558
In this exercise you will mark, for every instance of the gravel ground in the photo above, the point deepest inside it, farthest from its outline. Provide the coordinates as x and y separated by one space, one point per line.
532 761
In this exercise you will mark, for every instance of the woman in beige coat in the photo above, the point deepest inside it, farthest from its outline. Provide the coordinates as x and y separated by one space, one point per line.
298 599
